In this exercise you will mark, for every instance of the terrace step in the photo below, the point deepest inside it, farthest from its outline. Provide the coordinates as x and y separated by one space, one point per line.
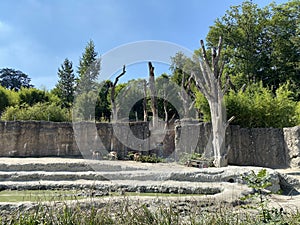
138 186
63 164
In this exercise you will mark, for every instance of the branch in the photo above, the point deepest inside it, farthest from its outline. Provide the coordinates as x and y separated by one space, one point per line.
204 52
219 48
201 85
120 75
229 121
205 69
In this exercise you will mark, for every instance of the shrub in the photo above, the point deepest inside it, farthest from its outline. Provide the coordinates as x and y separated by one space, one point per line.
31 96
40 111
257 106
7 98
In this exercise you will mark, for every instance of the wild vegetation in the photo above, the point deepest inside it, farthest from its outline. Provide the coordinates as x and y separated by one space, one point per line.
260 54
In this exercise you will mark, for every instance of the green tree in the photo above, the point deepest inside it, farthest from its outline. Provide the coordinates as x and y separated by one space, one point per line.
285 45
167 92
102 110
14 79
260 44
66 83
89 68
86 91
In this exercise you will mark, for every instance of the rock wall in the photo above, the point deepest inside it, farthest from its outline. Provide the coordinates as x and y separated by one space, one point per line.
42 138
292 145
269 147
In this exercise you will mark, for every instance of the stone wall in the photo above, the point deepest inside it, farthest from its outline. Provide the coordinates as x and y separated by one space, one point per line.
269 147
42 138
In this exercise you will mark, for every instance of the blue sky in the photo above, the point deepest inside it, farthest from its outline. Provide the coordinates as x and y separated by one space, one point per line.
37 35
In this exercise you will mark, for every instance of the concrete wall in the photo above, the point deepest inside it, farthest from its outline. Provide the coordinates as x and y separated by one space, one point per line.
42 138
270 147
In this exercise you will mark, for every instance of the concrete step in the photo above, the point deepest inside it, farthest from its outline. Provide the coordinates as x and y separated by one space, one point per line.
87 175
175 187
64 164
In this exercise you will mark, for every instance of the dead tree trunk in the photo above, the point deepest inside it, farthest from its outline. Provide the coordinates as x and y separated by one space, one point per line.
145 101
153 95
209 83
112 96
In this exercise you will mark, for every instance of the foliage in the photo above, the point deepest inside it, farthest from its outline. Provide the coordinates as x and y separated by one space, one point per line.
66 83
297 114
185 157
7 98
88 70
31 96
149 159
102 108
39 111
169 103
84 106
260 44
14 79
128 212
202 105
259 182
259 107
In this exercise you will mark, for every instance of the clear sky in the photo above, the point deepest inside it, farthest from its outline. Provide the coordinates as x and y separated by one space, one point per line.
37 35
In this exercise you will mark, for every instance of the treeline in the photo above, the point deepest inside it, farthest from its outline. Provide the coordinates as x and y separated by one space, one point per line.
260 77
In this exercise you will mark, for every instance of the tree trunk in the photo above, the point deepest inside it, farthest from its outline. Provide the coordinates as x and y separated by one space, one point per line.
145 101
153 95
112 96
209 83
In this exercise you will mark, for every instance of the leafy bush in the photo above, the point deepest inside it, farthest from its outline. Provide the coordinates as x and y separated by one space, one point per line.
40 111
31 96
259 182
7 98
257 106
150 159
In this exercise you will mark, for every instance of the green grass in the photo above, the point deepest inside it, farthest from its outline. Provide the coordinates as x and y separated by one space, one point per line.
37 195
64 195
130 212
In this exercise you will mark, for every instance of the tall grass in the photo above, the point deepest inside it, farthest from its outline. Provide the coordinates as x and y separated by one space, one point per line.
135 212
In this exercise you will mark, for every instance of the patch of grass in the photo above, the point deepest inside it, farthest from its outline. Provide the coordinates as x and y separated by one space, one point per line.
152 194
38 195
129 212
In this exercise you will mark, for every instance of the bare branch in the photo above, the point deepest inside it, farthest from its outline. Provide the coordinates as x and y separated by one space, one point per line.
112 95
120 75
219 47
204 52
229 121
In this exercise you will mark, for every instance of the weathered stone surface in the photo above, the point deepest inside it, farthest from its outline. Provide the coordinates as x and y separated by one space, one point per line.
292 145
246 146
43 138
268 147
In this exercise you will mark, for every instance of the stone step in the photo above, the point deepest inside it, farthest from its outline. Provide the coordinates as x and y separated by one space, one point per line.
176 187
64 164
89 175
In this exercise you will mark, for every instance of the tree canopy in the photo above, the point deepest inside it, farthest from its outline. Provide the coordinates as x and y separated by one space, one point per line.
260 44
14 79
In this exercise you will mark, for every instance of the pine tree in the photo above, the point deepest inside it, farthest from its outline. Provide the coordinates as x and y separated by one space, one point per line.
66 83
89 68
